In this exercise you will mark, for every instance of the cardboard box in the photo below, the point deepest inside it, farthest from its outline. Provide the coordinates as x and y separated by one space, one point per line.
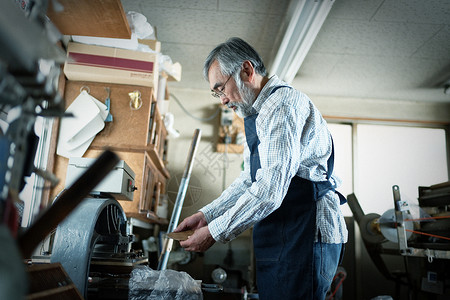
153 44
111 65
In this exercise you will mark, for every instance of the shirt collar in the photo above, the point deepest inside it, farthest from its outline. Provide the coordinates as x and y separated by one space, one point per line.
265 92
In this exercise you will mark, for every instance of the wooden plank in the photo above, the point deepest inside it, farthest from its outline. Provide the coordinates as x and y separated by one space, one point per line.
47 196
64 292
50 281
101 18
232 148
180 236
129 128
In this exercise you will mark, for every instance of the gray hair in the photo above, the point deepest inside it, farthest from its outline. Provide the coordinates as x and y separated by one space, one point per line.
230 56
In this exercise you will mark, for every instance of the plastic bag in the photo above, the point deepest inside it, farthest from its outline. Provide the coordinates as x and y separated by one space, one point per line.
139 25
148 284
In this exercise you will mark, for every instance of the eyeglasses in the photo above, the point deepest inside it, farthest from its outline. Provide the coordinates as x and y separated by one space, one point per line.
219 93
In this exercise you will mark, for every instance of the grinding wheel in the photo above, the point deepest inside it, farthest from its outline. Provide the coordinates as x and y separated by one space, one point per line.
370 230
388 226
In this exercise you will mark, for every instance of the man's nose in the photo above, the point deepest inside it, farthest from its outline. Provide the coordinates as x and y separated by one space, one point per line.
224 100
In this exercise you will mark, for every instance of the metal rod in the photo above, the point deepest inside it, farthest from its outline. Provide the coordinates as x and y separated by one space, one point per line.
402 239
164 258
355 207
67 202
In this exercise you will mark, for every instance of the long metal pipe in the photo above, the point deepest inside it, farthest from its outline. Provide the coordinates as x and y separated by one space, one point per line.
180 200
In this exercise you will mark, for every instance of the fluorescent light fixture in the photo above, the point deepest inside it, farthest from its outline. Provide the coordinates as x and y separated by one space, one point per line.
307 19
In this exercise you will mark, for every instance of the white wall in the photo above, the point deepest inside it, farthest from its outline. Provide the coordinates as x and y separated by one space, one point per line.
207 178
208 174
383 109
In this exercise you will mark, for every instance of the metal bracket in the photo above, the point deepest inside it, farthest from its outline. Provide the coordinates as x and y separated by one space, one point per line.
402 239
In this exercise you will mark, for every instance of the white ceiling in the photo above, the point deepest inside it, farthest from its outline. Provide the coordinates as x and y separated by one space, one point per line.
380 49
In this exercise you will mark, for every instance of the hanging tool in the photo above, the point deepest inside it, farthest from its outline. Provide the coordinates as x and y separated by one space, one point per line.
135 100
109 117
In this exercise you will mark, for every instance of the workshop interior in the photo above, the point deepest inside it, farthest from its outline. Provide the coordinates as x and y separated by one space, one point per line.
109 137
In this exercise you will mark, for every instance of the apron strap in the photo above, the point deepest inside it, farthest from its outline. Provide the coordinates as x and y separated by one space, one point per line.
320 188
323 187
253 140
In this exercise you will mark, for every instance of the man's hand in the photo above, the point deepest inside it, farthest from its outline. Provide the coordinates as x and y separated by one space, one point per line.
200 241
193 222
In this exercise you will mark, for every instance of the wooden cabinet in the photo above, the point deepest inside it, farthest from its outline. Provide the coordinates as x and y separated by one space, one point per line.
135 130
137 136
105 18
149 181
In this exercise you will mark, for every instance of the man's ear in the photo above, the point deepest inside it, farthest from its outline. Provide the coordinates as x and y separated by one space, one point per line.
247 72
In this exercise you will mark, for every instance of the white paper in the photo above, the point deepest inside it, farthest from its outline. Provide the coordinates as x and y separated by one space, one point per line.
130 44
77 152
77 133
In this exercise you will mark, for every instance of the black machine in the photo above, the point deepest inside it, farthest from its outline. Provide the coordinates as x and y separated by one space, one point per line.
422 241
30 64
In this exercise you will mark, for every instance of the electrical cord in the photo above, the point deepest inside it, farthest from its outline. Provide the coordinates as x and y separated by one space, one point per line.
428 234
341 275
191 115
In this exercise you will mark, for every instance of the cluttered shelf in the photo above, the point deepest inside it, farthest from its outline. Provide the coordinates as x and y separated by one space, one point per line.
231 137
111 87
135 132
136 124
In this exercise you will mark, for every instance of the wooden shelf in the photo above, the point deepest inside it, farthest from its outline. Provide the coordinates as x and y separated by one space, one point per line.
50 281
149 217
232 148
100 18
150 185
157 160
137 136
131 130
237 126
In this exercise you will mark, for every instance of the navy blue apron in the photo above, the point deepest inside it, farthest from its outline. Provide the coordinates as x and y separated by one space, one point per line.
283 241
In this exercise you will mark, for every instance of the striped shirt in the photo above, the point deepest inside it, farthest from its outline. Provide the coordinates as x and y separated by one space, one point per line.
294 141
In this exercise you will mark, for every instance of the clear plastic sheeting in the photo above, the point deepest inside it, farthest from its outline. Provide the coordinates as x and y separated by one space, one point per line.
148 284
139 25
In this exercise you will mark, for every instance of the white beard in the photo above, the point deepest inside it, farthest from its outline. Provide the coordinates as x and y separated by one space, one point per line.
244 108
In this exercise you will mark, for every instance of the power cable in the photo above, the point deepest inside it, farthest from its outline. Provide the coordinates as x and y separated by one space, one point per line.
191 115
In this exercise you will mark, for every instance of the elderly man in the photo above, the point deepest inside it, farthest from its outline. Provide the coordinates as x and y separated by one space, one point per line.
287 188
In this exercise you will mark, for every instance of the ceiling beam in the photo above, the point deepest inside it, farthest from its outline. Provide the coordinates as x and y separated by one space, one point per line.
307 19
